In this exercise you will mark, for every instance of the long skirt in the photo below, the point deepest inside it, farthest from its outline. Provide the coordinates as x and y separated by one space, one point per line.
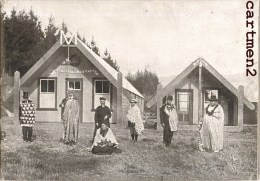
212 133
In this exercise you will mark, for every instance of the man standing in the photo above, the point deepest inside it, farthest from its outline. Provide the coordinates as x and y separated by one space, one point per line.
164 101
71 119
27 117
169 120
102 115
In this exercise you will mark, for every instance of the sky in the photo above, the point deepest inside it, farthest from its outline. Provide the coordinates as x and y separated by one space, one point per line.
162 36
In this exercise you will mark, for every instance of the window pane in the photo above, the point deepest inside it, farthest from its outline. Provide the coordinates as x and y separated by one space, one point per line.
43 85
98 86
77 85
71 85
105 87
183 97
183 106
51 86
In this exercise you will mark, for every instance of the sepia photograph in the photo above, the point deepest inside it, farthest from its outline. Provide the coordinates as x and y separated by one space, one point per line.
130 90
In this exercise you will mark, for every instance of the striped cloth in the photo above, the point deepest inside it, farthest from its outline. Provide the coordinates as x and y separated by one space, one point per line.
212 131
27 113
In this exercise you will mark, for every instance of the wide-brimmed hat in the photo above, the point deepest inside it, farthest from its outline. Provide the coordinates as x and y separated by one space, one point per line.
213 98
133 101
25 94
70 91
170 98
102 98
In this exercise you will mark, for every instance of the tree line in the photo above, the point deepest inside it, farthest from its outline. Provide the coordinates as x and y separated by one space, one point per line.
25 41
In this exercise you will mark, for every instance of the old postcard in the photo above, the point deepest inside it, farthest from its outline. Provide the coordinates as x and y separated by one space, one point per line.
130 90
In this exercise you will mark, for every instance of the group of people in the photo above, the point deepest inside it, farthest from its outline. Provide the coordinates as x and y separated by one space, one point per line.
211 125
103 140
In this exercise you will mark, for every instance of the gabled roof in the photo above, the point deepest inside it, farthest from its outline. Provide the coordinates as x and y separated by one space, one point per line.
199 62
109 72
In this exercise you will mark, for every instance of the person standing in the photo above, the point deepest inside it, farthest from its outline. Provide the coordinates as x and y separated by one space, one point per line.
164 101
169 120
135 121
27 117
212 129
71 119
102 115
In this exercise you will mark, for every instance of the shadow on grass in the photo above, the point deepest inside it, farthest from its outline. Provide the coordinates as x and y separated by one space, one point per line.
147 140
183 147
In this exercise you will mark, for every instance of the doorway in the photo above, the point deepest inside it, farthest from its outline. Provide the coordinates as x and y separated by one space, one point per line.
76 85
183 101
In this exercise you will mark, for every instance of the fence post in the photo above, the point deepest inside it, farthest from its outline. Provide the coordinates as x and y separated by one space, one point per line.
159 104
16 96
119 98
240 107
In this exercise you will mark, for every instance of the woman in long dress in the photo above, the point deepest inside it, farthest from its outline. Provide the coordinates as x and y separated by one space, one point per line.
135 121
212 130
71 119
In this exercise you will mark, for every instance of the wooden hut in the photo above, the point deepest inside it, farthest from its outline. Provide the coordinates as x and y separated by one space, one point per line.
71 64
192 89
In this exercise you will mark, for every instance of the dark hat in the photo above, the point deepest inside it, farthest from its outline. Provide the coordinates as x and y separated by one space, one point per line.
213 98
170 98
102 98
25 95
70 91
133 101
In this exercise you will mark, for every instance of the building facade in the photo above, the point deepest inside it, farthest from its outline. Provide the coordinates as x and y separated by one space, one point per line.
192 89
71 64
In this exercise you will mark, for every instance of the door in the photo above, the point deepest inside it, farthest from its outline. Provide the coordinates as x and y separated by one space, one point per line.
76 85
184 99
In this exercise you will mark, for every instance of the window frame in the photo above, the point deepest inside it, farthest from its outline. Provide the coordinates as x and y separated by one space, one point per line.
94 79
204 89
191 101
55 92
74 81
109 92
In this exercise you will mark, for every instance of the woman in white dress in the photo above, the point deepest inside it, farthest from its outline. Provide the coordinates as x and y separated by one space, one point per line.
135 121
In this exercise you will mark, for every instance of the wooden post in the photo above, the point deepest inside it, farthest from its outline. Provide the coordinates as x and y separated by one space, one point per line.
258 112
240 107
159 104
119 91
16 96
200 92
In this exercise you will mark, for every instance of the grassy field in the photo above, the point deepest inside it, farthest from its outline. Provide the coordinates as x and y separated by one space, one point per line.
47 158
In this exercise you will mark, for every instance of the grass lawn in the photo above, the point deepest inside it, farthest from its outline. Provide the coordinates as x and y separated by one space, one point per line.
47 158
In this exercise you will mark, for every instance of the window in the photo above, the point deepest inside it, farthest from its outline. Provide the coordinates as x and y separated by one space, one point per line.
101 89
208 93
75 85
47 85
47 93
183 101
